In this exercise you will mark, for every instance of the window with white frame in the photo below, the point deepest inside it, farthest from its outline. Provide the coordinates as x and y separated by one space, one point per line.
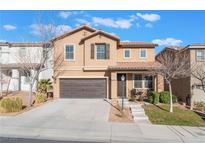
143 53
69 52
22 52
126 53
101 51
200 55
148 82
141 81
137 81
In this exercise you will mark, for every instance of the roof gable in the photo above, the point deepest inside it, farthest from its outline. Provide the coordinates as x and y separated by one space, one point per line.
100 32
84 27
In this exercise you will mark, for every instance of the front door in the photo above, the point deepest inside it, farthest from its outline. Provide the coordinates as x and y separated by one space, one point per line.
120 85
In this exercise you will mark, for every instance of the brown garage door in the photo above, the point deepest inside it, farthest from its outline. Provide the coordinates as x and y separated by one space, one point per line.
83 88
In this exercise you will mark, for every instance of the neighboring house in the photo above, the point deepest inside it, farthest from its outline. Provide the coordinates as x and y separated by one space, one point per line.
93 62
189 89
12 56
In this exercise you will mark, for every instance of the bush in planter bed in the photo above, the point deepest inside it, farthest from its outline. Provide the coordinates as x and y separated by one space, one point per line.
164 97
11 104
153 97
40 98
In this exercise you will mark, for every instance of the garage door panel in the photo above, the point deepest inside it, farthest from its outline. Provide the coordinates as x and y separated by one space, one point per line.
83 88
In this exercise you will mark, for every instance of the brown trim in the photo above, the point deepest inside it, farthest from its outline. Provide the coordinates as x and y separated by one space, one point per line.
99 32
74 31
92 52
22 44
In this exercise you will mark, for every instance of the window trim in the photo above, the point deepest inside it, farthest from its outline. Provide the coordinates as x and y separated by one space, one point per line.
96 51
73 52
20 52
145 54
129 53
143 81
202 51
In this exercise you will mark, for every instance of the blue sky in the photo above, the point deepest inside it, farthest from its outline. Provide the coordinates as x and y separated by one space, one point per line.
162 27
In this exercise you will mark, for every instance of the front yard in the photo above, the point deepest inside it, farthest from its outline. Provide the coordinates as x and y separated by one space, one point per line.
159 114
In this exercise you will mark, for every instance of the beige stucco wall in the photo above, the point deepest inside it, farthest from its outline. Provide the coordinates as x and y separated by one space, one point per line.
100 63
79 67
79 49
135 55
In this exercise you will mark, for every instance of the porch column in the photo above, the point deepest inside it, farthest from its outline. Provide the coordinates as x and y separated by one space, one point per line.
113 88
14 85
155 83
160 83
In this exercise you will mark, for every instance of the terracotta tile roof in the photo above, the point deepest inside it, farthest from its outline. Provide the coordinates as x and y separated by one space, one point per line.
137 44
22 44
198 44
74 31
135 66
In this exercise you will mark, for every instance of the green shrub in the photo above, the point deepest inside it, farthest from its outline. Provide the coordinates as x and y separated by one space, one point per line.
174 99
11 104
44 85
40 98
200 106
153 97
164 97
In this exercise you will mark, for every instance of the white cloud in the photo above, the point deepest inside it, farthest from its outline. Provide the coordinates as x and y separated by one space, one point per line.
9 27
41 29
138 25
149 17
148 25
168 42
61 29
108 22
3 41
66 14
82 21
125 41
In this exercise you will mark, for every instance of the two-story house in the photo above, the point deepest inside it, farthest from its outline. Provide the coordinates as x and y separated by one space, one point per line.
94 62
189 89
13 56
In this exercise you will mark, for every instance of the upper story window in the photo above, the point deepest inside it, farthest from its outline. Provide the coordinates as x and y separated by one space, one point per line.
22 52
69 52
101 51
127 54
143 53
200 55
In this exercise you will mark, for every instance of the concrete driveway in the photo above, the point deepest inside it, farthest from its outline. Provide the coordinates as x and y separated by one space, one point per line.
86 120
62 112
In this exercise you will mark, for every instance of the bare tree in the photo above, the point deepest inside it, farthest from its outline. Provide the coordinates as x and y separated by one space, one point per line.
175 65
33 63
198 72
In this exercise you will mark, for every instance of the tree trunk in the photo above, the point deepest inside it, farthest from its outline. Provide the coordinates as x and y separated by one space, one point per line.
170 97
30 95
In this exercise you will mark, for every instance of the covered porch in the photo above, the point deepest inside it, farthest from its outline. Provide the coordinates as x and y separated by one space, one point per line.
138 81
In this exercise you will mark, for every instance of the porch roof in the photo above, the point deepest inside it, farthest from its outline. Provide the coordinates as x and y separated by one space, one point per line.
18 65
136 66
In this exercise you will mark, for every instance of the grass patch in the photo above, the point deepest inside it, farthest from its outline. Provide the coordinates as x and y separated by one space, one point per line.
159 114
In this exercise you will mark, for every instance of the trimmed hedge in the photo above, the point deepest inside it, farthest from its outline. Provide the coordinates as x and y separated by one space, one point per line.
40 98
164 97
11 104
153 97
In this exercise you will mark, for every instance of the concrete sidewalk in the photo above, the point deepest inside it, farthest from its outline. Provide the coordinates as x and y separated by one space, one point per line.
109 132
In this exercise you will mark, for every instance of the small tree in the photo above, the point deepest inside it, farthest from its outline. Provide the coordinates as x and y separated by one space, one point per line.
174 65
